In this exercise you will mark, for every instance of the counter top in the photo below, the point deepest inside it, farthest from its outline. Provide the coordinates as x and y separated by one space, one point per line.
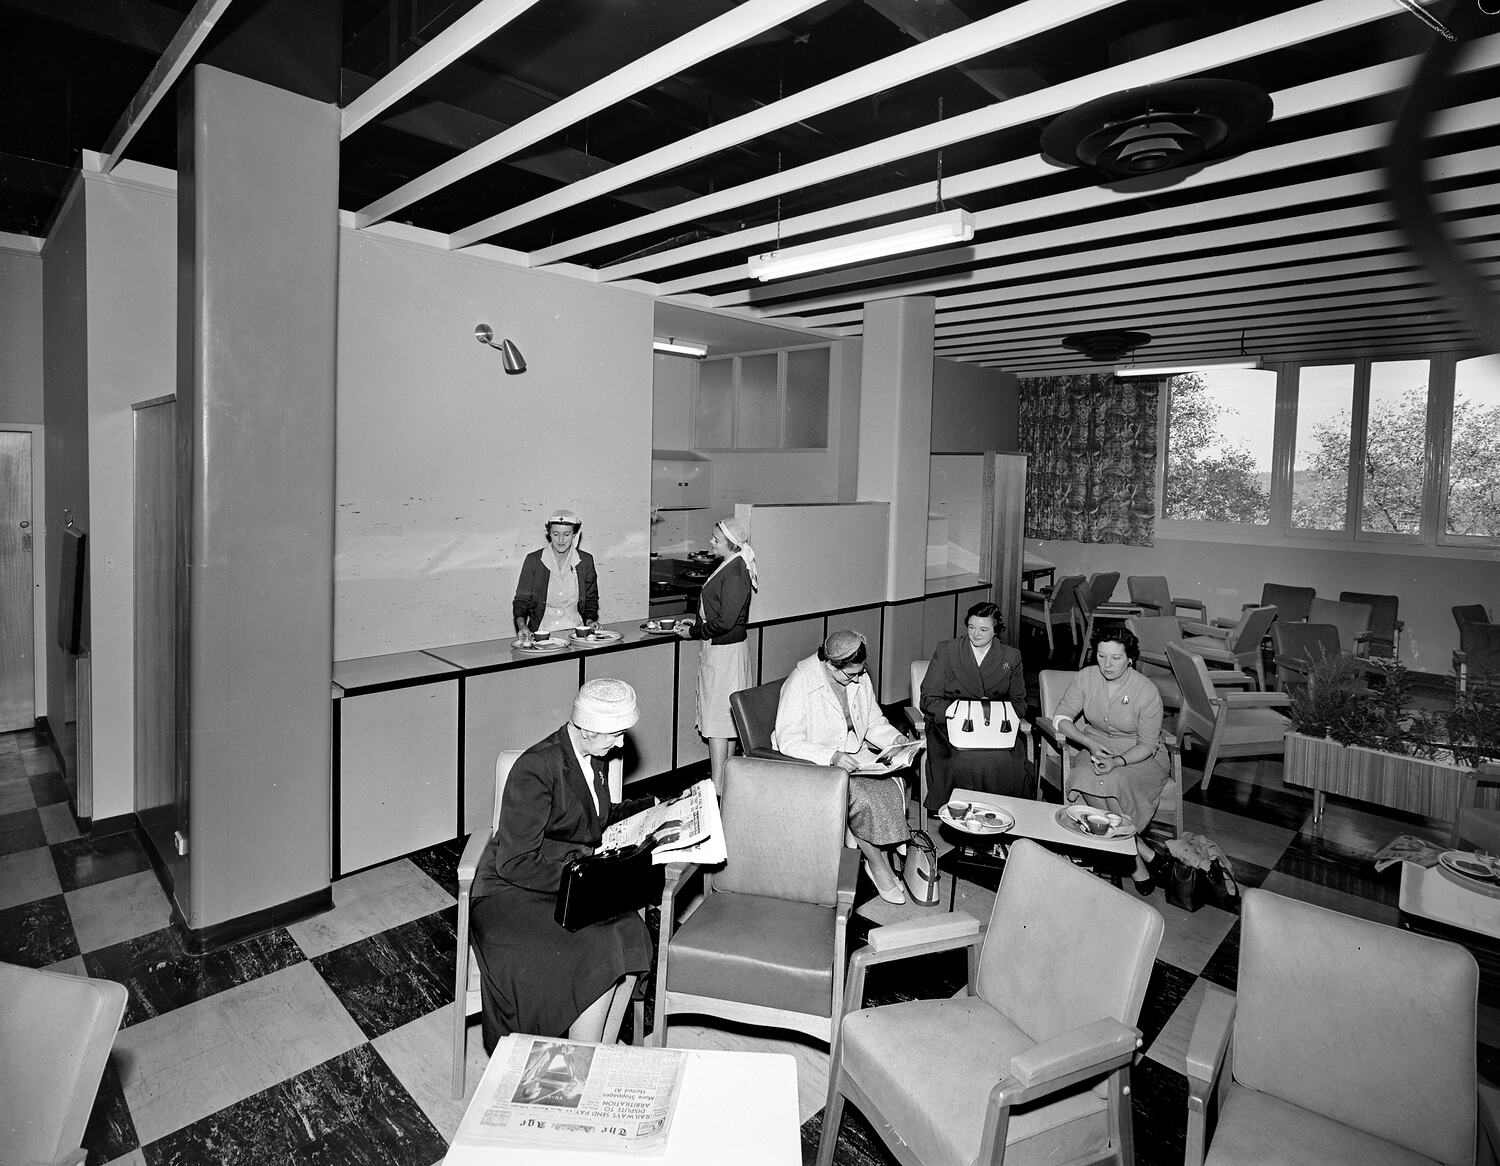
499 653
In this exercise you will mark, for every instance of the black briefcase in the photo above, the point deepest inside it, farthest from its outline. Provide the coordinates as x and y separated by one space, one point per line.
605 886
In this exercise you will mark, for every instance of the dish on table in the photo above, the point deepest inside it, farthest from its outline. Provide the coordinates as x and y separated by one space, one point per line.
1467 864
665 626
539 644
977 817
592 636
1085 819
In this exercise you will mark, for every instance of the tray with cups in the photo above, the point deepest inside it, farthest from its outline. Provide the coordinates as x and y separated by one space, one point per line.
1085 819
976 817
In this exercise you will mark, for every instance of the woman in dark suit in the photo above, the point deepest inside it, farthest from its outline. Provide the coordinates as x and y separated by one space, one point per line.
973 667
538 977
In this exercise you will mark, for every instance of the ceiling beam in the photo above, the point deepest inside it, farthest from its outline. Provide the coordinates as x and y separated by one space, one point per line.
1024 20
194 30
471 29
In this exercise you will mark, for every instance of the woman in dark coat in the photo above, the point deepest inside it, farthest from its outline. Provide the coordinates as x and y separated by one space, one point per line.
537 977
975 666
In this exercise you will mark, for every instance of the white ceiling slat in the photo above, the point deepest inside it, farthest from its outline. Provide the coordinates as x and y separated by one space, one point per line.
723 32
1016 24
1325 93
471 29
1264 36
196 26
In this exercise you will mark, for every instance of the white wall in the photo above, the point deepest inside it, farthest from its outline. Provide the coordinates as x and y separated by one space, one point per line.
20 338
447 467
974 408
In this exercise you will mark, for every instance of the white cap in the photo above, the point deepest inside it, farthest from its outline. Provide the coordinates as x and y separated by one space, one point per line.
605 705
563 514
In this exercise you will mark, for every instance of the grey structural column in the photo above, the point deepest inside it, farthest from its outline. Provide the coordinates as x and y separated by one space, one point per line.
257 330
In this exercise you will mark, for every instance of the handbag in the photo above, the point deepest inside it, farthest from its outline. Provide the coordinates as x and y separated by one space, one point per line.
603 886
919 871
982 724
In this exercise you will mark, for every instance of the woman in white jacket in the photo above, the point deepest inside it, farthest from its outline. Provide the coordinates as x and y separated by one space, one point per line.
828 715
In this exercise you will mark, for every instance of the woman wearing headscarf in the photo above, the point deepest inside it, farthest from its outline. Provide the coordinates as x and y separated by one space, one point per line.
559 588
723 616
536 976
828 715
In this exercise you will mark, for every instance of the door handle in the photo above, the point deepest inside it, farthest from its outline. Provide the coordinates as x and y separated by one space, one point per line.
25 522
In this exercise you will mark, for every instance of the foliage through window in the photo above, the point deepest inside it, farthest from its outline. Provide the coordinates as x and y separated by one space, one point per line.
1395 447
1473 469
1320 470
1218 449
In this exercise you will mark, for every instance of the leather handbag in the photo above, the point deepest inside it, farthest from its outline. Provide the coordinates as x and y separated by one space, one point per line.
920 872
982 724
604 886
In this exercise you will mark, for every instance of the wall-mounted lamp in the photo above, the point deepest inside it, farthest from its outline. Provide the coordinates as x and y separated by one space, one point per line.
675 347
510 355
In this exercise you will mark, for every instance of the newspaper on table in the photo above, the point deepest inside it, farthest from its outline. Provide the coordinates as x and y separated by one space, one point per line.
687 829
573 1094
888 760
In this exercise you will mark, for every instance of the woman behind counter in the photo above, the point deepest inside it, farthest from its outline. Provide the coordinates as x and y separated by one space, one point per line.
827 715
1114 714
559 587
723 613
538 977
973 667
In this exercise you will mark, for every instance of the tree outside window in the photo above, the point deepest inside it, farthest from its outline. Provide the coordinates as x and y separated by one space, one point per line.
1473 471
1219 433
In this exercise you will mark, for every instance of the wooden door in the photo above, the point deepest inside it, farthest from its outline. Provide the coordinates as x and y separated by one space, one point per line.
17 537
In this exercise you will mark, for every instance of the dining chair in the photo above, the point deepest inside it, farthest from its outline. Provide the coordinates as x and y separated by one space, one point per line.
1233 647
56 1032
1153 593
765 946
1225 724
1054 608
1032 1063
1346 1042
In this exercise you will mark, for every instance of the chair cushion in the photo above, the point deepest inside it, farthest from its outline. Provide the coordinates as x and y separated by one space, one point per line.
927 1067
770 952
1256 1129
1254 727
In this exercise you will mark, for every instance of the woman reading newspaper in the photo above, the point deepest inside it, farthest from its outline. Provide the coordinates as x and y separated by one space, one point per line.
828 715
538 977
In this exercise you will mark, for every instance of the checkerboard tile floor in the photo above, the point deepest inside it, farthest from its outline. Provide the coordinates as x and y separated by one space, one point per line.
327 1041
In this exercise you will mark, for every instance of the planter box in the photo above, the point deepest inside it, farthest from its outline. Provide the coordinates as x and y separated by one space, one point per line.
1412 784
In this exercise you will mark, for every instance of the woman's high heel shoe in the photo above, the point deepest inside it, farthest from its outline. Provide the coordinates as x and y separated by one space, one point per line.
896 893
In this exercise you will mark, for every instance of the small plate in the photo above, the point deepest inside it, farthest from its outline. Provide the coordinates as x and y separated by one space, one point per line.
599 637
1464 863
539 646
980 818
1072 818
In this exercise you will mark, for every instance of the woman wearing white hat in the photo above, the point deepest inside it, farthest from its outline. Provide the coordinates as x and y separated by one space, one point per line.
559 587
723 615
538 977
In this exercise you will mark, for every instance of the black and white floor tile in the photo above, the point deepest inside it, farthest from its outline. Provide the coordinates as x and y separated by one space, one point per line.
328 1041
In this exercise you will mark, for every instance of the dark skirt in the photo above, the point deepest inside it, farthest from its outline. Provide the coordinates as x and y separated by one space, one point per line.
539 977
991 771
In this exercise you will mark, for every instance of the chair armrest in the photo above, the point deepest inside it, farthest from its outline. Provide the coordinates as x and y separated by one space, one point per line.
1157 658
1046 728
906 944
1216 630
1233 678
468 862
1210 1036
1489 1115
1214 652
1035 596
1119 609
1070 1057
766 753
909 933
1148 605
1255 700
917 721
848 875
1194 605
674 879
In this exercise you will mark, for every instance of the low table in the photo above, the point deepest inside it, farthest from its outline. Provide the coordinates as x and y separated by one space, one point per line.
1430 893
1035 820
735 1108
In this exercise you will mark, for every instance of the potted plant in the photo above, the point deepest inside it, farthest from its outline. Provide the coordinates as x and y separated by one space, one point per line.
1365 743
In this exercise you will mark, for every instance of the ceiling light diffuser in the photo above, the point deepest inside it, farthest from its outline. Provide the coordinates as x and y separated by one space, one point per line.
679 347
1165 370
956 226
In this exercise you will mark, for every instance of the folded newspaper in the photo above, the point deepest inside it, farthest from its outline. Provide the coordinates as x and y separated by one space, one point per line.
889 759
687 829
561 1094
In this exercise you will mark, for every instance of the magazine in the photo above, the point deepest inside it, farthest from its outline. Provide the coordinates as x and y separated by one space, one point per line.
686 829
888 760
543 1091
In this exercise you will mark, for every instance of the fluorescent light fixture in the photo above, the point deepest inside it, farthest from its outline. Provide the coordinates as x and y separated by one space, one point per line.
877 243
677 347
1166 370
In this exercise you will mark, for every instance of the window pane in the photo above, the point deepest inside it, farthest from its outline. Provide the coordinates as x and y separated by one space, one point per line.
1219 428
1474 466
1320 471
714 415
807 399
1395 447
758 410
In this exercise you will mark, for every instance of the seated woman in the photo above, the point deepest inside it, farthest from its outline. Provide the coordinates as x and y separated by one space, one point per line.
1114 714
828 715
973 667
538 977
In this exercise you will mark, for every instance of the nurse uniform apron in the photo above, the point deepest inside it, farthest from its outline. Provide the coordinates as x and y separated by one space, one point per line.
561 612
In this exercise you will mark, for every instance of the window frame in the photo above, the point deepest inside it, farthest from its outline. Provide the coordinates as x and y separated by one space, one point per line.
735 408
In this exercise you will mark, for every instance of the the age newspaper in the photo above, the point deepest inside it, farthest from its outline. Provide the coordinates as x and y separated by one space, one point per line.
562 1094
688 828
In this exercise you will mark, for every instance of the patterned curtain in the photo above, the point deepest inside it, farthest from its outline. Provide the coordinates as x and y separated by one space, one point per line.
1092 446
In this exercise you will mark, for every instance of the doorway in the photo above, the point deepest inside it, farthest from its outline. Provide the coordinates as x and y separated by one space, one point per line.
17 584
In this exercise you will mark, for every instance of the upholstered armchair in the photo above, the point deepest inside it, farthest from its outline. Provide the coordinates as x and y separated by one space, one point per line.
754 713
1154 633
1477 660
1352 620
1233 647
1347 1042
1385 627
1226 724
1054 608
1153 593
1033 1062
766 945
56 1032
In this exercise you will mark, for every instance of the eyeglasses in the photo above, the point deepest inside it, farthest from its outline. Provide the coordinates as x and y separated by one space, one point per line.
849 676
